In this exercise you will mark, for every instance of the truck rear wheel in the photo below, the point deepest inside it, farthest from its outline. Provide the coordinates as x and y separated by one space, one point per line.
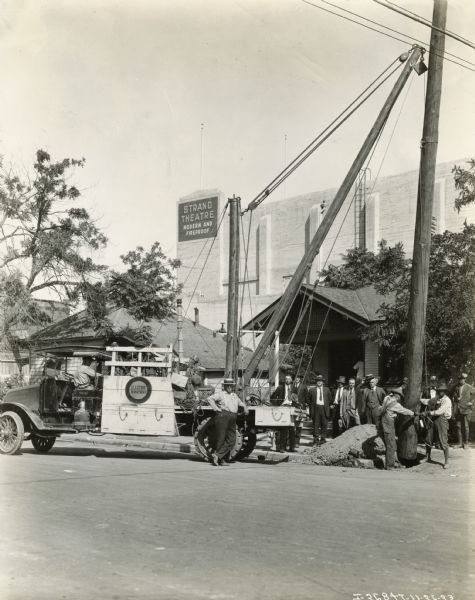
205 440
12 433
42 444
249 439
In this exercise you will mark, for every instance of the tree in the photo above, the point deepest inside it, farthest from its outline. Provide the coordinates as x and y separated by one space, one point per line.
450 320
46 246
465 183
43 237
147 289
362 267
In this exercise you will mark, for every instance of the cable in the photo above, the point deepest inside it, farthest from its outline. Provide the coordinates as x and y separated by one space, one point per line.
393 30
423 21
426 46
312 147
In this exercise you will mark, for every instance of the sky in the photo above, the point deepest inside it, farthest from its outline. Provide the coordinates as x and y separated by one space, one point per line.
166 97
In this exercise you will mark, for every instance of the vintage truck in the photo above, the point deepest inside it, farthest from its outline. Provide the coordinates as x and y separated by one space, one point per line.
134 392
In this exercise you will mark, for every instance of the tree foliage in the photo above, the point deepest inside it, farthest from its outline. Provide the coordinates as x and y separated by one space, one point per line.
47 246
450 318
362 267
465 184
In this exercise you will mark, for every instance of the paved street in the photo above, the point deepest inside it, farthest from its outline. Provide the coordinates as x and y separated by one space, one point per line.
112 523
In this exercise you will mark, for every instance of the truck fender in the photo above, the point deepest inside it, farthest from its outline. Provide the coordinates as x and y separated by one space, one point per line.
31 421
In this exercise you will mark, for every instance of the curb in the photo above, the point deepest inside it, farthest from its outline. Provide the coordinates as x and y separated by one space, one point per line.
185 448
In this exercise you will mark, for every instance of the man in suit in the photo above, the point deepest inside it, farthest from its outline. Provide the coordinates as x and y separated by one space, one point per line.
371 399
319 399
336 406
301 402
348 407
282 396
463 398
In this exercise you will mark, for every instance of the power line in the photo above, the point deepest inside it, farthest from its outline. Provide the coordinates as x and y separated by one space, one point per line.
422 21
393 30
387 34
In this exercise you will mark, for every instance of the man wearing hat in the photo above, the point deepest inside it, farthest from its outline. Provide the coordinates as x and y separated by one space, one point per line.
284 395
390 408
440 417
348 407
301 402
337 403
226 404
463 397
319 399
371 400
431 391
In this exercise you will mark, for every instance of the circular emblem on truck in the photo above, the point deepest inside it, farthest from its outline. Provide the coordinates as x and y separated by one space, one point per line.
138 389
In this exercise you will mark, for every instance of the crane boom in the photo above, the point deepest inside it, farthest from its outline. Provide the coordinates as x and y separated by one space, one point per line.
294 285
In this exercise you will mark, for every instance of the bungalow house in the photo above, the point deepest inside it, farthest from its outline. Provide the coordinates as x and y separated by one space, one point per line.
332 323
78 331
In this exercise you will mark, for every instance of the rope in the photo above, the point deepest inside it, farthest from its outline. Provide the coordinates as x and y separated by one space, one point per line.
321 138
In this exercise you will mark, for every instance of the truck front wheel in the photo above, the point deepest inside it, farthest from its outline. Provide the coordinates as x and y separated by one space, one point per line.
11 433
42 444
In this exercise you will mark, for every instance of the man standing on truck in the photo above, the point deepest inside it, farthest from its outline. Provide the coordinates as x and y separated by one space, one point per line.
226 404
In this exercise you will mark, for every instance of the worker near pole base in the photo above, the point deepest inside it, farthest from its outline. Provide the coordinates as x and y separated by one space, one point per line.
226 404
463 397
390 409
440 416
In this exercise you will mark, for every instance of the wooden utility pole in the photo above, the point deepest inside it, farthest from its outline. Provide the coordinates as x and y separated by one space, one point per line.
232 338
407 443
293 287
179 326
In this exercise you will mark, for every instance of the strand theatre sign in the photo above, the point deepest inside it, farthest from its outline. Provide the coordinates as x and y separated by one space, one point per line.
197 219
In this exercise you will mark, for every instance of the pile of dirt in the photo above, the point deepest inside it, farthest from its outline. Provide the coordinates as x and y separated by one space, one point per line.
352 448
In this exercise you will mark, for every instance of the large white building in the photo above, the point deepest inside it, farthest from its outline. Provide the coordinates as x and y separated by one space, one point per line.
281 230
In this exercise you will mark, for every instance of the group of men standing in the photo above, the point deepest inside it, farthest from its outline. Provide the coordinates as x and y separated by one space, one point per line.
345 406
357 402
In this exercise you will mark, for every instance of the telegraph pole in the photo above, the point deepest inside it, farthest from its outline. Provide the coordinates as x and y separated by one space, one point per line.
293 287
407 444
232 338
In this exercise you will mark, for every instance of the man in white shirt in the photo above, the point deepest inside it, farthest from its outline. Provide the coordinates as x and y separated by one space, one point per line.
319 400
440 416
226 404
282 396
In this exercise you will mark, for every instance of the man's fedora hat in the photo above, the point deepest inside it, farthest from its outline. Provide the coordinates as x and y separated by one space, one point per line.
341 379
442 387
398 391
369 377
229 381
320 378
